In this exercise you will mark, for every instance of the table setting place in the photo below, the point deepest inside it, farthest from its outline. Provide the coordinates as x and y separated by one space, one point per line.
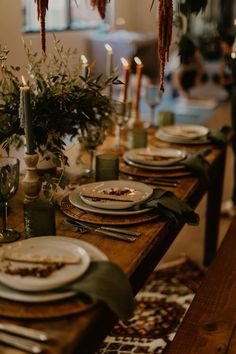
52 277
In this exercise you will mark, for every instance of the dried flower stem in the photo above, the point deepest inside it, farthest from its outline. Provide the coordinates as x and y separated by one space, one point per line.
42 6
101 6
165 21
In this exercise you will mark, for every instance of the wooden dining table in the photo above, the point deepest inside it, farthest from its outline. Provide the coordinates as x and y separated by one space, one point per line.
75 326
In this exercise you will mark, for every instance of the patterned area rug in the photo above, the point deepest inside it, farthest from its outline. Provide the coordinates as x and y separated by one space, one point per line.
161 306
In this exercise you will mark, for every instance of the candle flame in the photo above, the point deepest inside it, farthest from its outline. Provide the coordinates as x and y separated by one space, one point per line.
108 47
124 61
23 80
233 55
84 59
137 60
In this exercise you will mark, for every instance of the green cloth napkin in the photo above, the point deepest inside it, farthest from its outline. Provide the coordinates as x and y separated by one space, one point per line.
219 135
105 281
170 206
197 164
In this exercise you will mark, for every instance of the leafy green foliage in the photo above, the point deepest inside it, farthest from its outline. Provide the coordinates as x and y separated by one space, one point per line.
62 100
52 184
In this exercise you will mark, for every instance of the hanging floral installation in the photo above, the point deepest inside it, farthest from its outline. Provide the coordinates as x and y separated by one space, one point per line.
164 18
42 6
165 22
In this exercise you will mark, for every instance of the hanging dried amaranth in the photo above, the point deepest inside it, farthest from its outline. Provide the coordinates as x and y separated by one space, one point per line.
101 6
42 6
165 22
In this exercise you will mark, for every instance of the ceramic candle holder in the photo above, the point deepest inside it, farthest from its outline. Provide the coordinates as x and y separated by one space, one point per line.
31 182
107 167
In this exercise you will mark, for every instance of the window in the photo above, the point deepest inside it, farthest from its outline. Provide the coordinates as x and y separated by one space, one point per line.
63 15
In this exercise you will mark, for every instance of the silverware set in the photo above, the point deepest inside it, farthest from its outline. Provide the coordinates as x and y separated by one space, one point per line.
168 182
24 338
115 232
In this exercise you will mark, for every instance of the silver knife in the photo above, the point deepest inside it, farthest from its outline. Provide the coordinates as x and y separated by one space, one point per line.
21 343
24 331
107 228
113 234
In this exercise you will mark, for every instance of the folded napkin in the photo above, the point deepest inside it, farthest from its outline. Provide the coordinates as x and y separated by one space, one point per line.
197 164
170 206
105 281
219 135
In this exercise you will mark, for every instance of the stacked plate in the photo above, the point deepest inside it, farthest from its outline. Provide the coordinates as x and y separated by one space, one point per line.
183 134
118 197
156 159
34 270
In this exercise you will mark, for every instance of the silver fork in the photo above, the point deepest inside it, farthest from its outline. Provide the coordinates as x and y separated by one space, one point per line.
113 234
107 228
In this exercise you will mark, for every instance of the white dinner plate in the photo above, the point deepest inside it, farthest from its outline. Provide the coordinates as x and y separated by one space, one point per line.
183 133
50 247
121 194
76 200
156 156
11 294
177 167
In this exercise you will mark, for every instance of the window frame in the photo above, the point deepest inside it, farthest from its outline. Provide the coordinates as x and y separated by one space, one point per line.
69 25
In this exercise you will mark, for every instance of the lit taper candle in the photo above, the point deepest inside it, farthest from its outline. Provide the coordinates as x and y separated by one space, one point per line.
139 70
109 64
126 67
26 116
84 66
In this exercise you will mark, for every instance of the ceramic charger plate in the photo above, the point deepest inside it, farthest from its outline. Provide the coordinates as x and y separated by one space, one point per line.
112 195
156 156
39 248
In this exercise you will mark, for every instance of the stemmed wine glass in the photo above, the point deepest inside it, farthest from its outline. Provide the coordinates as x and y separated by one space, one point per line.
91 137
122 111
153 98
9 181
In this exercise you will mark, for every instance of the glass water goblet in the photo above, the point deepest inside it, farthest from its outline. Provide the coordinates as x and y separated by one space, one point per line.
91 138
9 181
122 112
153 98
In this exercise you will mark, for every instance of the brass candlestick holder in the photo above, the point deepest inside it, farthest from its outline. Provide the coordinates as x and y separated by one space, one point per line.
31 181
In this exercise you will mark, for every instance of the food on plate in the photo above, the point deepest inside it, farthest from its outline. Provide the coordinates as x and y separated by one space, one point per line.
118 194
33 256
39 271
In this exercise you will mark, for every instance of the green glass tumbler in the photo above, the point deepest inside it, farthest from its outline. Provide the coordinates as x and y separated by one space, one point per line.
39 218
137 138
165 118
107 167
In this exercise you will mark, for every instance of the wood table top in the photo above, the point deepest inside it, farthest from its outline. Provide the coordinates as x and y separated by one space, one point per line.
73 333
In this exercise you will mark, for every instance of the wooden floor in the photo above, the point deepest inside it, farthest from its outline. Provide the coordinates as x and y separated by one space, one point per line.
190 241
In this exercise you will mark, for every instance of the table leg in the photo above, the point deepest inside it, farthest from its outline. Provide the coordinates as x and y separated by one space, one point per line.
214 199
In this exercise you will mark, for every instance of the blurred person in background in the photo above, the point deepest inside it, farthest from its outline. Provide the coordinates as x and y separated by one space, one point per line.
191 70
